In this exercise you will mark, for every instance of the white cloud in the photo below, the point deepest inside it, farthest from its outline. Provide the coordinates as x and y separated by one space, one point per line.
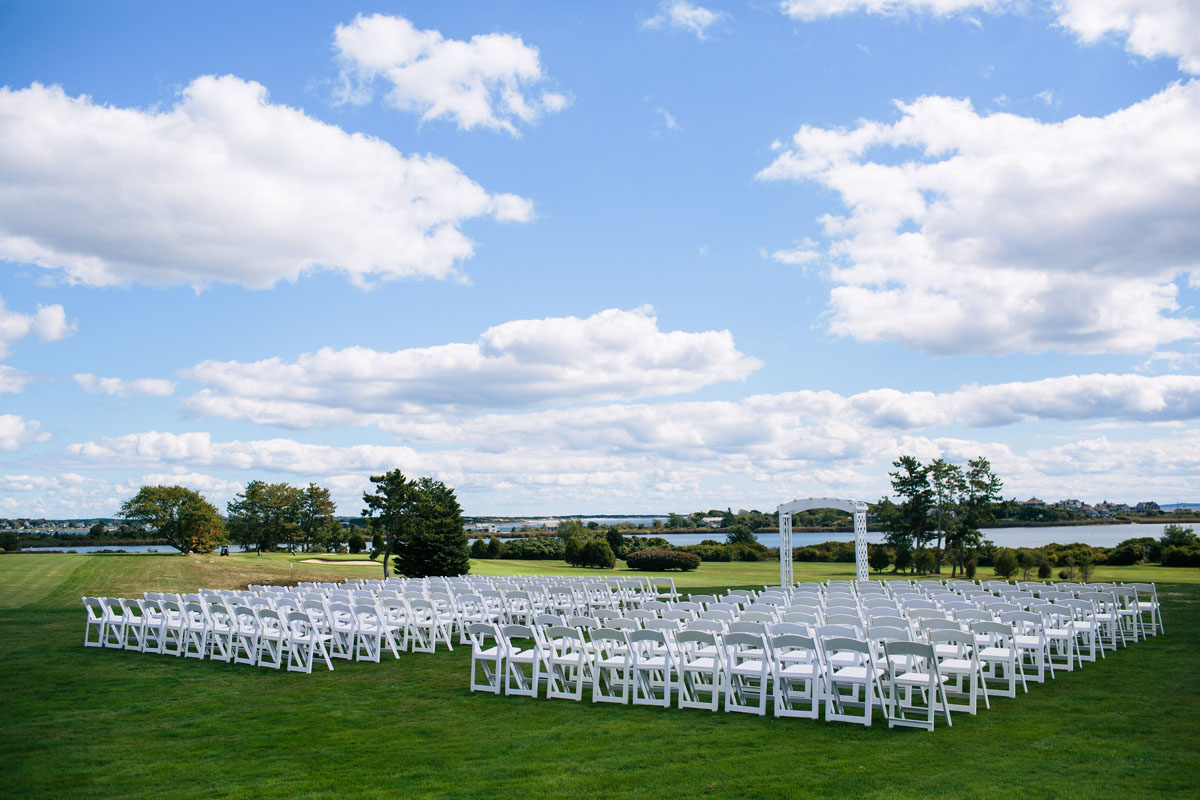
685 16
16 432
612 355
222 187
1151 28
1010 234
488 81
13 380
805 253
49 323
119 387
208 485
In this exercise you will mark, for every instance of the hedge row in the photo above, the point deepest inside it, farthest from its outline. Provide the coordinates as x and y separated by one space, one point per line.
658 560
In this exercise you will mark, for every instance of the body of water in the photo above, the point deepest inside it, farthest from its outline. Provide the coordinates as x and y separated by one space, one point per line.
1095 535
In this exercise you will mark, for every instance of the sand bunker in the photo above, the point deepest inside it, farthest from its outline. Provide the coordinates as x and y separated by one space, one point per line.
338 561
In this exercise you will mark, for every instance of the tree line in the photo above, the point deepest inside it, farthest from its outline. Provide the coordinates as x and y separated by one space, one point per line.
417 522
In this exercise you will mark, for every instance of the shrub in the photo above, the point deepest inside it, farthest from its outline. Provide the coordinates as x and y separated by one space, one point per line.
902 559
746 552
1130 551
708 551
1181 557
539 548
1178 536
10 542
970 568
356 543
924 561
658 560
1044 568
479 549
1005 563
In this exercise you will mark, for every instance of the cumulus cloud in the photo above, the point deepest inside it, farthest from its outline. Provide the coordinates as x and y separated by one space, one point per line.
119 387
16 432
223 187
48 323
1151 28
611 355
490 81
684 16
1009 234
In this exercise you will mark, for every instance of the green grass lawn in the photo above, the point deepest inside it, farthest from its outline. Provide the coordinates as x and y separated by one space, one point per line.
92 722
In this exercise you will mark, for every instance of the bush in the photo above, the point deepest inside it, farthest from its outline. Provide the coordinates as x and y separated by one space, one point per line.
747 552
10 542
1178 536
924 561
1181 557
356 543
479 549
537 548
1005 563
1044 568
708 551
1130 552
902 559
971 568
658 560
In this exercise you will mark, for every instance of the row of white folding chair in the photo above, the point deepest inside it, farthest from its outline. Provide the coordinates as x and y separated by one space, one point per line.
792 671
259 636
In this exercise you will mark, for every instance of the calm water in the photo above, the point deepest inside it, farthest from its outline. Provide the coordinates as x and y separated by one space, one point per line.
1096 535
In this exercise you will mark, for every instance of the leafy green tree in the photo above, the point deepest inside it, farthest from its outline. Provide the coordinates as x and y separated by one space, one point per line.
377 541
1178 536
264 515
878 558
495 547
740 533
479 548
908 522
947 484
597 553
430 539
10 541
1006 563
186 520
616 542
571 527
96 531
356 543
573 553
976 507
314 513
390 509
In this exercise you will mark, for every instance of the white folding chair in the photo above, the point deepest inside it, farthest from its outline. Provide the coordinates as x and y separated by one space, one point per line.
921 677
569 664
850 683
799 676
1147 597
958 661
304 641
652 668
487 657
748 671
221 632
114 631
272 638
522 661
246 635
97 622
197 630
1000 658
611 666
700 673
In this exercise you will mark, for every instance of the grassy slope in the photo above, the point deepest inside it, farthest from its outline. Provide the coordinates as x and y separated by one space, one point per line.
88 722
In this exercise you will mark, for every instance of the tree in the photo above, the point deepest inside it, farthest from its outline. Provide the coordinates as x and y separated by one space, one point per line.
616 542
422 524
947 484
186 520
1006 563
96 531
265 515
314 514
571 527
878 558
356 543
573 554
597 553
479 548
495 547
908 522
1178 536
976 508
740 533
390 509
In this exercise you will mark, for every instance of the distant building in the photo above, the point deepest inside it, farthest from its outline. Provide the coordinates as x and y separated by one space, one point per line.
1034 502
713 522
483 527
1147 507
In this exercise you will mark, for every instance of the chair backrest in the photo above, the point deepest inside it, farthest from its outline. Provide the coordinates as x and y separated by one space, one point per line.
895 649
622 624
964 641
757 628
934 624
583 623
801 617
884 633
844 619
787 628
693 639
843 631
707 625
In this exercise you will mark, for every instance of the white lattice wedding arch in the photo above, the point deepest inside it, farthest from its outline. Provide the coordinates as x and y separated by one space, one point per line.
855 507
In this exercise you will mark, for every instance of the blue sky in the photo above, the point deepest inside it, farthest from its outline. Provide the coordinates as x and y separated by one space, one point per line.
598 258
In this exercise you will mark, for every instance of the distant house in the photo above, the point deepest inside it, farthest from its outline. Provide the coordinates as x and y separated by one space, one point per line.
1034 502
1147 507
713 522
483 527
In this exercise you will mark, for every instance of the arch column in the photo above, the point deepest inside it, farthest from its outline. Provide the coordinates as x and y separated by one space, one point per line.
785 511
